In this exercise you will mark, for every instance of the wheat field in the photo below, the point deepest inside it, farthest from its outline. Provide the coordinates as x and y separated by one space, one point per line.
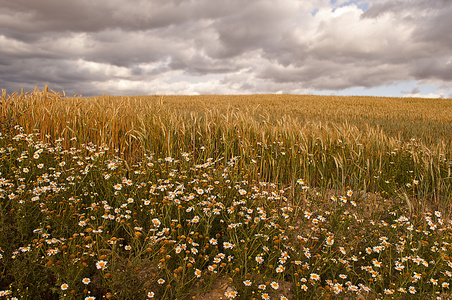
219 196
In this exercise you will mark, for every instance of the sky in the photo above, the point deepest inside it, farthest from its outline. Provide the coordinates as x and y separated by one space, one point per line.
396 48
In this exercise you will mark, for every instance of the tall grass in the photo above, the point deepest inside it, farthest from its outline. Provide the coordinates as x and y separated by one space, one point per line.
367 143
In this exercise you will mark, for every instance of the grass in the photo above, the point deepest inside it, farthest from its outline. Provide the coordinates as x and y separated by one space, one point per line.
263 196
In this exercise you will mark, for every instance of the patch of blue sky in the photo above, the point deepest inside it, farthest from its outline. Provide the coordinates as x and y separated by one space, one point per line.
363 6
314 12
360 4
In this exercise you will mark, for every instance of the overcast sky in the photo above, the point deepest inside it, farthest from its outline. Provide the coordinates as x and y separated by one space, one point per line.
136 47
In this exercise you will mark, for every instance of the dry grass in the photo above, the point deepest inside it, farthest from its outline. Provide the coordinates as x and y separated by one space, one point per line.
124 121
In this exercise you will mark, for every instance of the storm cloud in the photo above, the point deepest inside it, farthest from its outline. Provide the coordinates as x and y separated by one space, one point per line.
225 47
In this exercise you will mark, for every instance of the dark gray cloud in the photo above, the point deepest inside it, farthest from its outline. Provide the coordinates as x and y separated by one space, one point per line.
204 46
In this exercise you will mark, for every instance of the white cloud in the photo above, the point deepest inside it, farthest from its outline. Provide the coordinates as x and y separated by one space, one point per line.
429 95
103 69
12 46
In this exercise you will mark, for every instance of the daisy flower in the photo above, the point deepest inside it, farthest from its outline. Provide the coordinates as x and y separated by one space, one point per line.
315 276
64 286
376 263
389 292
156 222
416 276
231 295
228 245
247 282
86 280
198 273
329 241
259 259
377 249
101 264
353 288
280 269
